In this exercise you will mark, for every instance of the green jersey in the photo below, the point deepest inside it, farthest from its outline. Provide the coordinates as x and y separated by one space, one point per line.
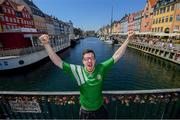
90 84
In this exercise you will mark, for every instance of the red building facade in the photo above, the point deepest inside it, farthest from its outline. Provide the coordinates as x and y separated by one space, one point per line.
13 16
131 22
147 19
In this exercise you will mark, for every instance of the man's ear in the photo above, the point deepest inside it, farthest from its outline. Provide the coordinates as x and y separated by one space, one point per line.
83 61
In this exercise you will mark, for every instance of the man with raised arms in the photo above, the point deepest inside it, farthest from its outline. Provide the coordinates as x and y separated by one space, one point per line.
89 77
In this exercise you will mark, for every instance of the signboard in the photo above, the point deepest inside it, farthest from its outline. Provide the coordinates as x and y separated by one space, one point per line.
25 106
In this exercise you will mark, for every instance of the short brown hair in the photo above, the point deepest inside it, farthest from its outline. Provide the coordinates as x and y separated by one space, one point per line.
88 51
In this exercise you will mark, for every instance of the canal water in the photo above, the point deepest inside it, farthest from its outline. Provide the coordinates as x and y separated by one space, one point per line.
134 71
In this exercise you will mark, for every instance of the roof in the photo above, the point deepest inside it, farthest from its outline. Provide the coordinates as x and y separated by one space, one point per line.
17 6
21 7
1 1
153 2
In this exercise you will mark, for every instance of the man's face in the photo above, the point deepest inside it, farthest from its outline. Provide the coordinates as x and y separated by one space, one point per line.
89 61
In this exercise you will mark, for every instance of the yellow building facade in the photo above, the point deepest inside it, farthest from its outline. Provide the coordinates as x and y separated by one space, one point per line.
164 17
176 22
116 27
40 23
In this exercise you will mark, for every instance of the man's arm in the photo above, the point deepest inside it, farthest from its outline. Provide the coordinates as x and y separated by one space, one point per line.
121 50
53 56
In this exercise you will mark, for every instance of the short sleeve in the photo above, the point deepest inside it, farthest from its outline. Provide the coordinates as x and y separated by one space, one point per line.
107 64
66 67
72 70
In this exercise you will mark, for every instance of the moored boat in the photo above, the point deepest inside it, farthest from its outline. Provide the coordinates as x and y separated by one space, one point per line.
20 49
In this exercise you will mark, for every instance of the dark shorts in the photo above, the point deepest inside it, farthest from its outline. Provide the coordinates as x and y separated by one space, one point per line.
101 113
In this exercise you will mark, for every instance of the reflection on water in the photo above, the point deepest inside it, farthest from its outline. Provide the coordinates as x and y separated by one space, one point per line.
135 70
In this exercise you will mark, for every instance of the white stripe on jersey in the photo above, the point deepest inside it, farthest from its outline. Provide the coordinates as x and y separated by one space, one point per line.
80 74
73 69
85 75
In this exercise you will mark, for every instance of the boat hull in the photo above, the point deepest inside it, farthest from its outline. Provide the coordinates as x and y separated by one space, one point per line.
14 62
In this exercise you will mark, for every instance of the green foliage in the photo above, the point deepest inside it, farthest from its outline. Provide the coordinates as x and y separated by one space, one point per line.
78 31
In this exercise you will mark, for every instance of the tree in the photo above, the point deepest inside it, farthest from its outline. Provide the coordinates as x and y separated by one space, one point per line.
78 31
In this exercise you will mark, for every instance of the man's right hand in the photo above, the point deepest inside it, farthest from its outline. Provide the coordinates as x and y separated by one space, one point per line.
53 56
130 34
44 39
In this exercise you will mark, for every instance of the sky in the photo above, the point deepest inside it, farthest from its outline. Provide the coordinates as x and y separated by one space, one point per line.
89 14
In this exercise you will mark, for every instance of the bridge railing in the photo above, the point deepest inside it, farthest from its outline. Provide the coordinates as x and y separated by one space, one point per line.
139 104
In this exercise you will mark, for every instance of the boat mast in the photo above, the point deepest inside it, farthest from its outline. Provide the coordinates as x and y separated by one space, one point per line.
111 22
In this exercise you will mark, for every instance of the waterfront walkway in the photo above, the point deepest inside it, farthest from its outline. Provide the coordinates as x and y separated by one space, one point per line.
154 46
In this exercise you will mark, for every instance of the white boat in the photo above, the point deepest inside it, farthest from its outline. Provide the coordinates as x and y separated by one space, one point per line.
109 42
22 49
102 38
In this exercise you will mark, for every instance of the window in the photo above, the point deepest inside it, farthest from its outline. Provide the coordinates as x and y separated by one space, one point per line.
159 20
4 9
156 21
12 11
7 20
4 27
11 20
178 5
178 17
168 8
155 29
157 12
172 7
154 13
176 28
161 10
164 10
5 63
152 29
171 18
22 22
18 21
161 29
166 18
1 18
162 19
9 11
14 20
8 27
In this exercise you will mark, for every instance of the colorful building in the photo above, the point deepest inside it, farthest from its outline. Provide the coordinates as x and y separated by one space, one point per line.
50 24
38 15
116 25
14 16
124 24
147 16
176 22
137 21
166 16
131 22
